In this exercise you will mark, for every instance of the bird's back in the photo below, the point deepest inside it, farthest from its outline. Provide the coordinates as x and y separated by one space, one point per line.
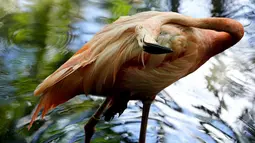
113 59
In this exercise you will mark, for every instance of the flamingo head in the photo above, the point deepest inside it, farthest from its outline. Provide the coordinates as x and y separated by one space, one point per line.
195 44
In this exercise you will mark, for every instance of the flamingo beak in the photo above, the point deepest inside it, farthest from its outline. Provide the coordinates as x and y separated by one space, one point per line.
148 43
155 48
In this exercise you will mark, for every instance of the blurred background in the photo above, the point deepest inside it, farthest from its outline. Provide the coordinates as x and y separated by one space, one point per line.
214 104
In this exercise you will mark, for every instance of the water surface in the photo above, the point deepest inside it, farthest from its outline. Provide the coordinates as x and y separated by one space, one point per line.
214 104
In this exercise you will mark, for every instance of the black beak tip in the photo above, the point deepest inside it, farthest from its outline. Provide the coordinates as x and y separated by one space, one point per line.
156 49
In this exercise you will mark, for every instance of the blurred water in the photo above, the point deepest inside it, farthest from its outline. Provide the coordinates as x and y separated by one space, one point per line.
214 104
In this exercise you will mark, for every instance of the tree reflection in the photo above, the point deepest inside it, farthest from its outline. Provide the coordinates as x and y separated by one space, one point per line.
221 82
38 42
44 24
218 8
175 5
248 63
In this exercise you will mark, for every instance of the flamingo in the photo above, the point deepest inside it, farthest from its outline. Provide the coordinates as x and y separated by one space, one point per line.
134 58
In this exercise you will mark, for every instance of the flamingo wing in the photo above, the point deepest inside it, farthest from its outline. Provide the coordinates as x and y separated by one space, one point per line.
80 59
63 84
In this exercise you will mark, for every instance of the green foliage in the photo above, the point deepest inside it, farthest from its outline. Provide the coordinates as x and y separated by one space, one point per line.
45 23
117 8
43 27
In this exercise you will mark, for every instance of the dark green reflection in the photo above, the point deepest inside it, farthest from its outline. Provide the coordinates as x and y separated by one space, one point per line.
33 43
27 37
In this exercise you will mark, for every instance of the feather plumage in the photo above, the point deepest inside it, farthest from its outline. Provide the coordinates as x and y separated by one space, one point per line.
114 60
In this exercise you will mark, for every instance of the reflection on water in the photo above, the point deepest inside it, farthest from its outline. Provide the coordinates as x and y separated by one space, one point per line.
36 37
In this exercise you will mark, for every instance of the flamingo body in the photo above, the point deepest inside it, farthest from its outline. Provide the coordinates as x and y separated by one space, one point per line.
114 62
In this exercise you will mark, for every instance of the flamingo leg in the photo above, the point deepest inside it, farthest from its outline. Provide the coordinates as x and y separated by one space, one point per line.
145 115
90 125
